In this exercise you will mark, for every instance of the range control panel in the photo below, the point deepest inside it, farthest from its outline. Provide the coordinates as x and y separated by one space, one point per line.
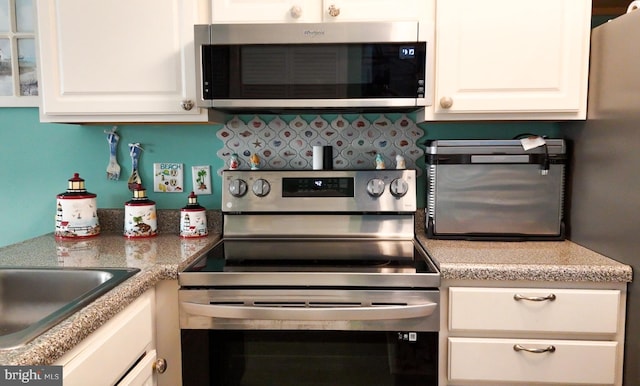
319 191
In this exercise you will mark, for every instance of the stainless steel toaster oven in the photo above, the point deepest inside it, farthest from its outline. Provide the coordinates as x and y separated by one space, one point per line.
495 190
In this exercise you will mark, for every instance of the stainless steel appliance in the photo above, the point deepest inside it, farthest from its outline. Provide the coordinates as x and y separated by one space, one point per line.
605 198
495 190
318 280
304 66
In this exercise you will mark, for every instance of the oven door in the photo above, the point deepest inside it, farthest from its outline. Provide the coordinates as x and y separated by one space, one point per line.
324 337
309 358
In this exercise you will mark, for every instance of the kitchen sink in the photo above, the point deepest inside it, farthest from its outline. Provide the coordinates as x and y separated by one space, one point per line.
32 300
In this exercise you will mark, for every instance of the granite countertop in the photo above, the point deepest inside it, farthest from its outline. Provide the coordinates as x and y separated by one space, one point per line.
532 260
158 258
519 260
162 257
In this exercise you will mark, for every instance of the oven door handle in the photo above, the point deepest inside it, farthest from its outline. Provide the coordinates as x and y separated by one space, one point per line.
387 312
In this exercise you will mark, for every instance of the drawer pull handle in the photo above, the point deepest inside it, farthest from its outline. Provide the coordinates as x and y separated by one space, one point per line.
517 347
550 297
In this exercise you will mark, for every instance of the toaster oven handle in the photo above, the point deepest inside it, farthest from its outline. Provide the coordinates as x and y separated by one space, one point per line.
390 312
501 159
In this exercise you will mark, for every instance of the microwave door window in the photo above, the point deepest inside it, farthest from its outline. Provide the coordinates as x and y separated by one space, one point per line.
319 72
315 71
293 71
263 72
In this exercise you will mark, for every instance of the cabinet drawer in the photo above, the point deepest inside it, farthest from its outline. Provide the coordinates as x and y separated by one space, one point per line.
570 311
585 362
143 373
105 355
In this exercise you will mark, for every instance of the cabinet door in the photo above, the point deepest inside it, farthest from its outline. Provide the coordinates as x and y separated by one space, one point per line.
314 11
107 354
265 11
143 373
512 56
168 332
118 60
558 362
376 10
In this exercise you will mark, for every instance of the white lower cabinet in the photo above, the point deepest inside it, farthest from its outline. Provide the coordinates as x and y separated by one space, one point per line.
533 335
168 332
121 352
142 374
556 361
531 309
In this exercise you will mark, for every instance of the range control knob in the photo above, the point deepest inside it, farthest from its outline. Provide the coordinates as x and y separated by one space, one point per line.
261 187
375 187
399 187
237 187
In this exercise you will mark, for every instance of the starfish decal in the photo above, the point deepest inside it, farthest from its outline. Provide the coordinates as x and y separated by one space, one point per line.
257 143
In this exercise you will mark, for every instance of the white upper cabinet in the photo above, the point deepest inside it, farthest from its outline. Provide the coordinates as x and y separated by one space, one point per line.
511 59
265 11
313 11
118 60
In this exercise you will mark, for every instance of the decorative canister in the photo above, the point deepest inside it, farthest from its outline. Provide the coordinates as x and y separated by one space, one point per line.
77 213
193 219
140 218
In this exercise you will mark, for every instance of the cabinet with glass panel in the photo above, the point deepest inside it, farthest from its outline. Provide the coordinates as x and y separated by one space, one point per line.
18 71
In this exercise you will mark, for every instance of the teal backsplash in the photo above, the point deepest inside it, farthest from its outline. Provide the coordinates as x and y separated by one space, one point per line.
38 159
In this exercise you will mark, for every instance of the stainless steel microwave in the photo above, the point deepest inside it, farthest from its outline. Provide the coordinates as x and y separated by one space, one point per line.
357 66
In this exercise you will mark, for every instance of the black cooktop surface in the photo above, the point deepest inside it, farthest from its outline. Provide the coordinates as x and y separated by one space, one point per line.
293 255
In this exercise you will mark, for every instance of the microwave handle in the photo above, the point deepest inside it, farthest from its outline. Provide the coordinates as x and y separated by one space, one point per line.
392 312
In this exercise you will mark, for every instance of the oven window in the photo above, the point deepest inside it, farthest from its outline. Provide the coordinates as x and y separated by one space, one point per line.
309 358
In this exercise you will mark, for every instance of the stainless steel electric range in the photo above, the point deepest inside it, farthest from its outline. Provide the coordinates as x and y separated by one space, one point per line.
318 280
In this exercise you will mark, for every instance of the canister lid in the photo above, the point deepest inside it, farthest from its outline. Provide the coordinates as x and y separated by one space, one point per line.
76 184
140 195
192 202
76 188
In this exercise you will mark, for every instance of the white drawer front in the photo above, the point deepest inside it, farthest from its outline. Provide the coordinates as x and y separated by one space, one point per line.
496 309
107 353
143 373
572 362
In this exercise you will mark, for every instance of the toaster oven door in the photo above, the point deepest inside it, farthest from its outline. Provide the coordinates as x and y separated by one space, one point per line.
495 201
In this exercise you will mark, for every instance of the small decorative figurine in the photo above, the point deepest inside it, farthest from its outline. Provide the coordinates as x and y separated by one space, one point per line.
134 179
254 160
400 162
113 168
234 162
379 161
193 219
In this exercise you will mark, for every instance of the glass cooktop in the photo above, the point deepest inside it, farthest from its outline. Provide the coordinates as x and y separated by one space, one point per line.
270 255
